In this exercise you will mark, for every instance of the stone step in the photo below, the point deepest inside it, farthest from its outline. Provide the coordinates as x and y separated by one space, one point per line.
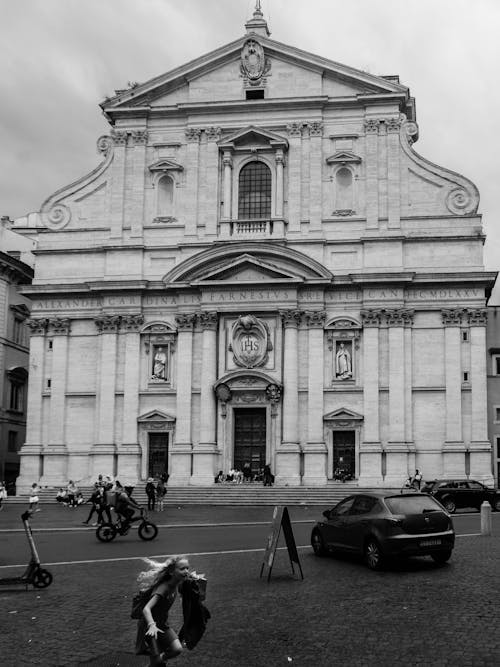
231 494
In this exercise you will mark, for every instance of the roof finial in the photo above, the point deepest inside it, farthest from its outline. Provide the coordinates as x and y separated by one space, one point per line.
258 24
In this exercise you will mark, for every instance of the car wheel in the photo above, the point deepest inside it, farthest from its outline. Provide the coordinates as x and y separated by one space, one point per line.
373 555
318 544
449 505
441 557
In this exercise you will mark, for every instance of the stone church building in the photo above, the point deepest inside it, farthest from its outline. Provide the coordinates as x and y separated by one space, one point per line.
261 269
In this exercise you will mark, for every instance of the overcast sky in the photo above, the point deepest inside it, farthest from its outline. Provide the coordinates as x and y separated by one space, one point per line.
60 58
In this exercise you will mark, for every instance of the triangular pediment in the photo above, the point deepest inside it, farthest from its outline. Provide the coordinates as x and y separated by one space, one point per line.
175 86
247 269
343 157
253 136
343 414
155 416
166 165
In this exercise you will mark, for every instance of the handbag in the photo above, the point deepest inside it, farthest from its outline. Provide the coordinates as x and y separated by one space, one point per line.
139 601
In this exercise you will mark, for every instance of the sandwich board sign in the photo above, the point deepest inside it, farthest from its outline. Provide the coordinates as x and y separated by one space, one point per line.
281 519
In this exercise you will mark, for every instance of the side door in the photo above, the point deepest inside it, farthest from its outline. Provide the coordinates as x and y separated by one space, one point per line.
358 521
335 527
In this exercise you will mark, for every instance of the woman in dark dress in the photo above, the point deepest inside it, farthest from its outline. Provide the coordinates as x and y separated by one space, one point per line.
154 635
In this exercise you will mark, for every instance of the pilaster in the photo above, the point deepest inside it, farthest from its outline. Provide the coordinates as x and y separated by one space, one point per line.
370 454
130 326
371 136
107 326
452 320
192 175
315 181
117 197
139 142
393 174
315 452
294 176
480 447
211 179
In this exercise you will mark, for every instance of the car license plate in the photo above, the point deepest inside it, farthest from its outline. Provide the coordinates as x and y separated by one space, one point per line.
430 543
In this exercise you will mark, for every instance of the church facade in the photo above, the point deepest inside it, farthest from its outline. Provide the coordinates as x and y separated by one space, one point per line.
261 270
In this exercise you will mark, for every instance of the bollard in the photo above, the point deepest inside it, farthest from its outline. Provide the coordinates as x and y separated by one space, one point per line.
485 518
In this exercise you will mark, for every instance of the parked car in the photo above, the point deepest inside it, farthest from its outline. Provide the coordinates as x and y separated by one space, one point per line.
455 494
380 526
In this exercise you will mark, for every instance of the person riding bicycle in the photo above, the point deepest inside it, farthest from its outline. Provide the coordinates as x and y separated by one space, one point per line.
124 504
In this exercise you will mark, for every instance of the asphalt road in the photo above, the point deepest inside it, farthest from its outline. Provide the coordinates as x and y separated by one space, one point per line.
79 543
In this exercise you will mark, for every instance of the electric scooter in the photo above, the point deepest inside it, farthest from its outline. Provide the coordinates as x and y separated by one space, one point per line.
34 574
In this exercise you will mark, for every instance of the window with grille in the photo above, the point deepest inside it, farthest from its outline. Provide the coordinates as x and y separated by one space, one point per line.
254 192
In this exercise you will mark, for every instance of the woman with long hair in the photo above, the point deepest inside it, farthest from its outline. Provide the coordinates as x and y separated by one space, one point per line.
160 583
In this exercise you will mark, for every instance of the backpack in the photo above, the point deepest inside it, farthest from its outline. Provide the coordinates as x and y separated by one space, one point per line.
139 601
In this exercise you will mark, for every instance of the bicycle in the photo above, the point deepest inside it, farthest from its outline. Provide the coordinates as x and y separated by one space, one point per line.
147 530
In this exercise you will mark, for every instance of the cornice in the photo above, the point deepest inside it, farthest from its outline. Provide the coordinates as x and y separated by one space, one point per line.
14 270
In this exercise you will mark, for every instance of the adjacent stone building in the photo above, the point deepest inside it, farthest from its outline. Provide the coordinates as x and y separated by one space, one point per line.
260 270
493 373
16 269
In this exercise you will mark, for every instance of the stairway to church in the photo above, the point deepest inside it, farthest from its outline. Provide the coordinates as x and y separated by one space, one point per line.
231 494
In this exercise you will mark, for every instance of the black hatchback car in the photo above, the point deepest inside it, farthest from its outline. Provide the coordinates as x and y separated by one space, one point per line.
456 494
380 526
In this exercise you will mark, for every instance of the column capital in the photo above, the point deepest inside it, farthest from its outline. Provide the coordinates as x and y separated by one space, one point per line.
371 125
59 325
193 134
315 128
393 125
213 133
185 321
478 317
279 156
37 326
291 318
119 137
452 317
227 158
294 129
139 137
315 319
107 323
371 318
132 322
208 320
399 318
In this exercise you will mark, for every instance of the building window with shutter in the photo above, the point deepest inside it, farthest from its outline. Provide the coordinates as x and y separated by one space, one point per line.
254 191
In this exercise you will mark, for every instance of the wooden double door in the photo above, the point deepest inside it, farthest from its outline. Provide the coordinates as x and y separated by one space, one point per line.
157 454
250 438
344 452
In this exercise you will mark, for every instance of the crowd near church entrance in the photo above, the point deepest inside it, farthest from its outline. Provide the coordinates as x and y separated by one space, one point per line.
250 438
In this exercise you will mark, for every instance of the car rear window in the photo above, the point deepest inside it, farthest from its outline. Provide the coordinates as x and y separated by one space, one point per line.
406 504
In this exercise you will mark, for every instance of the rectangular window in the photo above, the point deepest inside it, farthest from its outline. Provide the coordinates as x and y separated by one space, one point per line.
18 331
49 383
12 441
465 335
496 364
255 94
466 376
496 414
16 396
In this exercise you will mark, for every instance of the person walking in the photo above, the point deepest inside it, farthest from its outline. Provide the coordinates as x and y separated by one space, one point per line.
417 479
3 494
95 499
160 584
151 493
34 498
268 477
161 490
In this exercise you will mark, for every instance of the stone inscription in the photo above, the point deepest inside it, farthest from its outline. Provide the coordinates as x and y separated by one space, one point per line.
67 304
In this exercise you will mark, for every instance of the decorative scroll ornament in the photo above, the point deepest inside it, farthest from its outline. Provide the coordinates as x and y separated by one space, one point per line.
37 326
106 323
60 325
58 216
254 65
104 144
132 322
294 129
119 137
371 318
461 202
250 342
371 126
478 317
185 321
452 317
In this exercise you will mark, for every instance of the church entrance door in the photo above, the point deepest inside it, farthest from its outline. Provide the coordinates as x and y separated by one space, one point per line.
250 438
158 454
344 448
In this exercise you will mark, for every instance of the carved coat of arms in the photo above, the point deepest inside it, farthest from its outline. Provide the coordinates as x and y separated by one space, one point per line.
250 342
254 64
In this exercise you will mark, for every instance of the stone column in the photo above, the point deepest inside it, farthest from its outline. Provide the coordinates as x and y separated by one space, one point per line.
279 158
371 187
370 455
32 449
192 184
211 203
139 140
288 453
454 447
205 452
129 452
315 452
117 196
397 448
55 452
294 177
182 446
480 446
393 174
104 450
316 181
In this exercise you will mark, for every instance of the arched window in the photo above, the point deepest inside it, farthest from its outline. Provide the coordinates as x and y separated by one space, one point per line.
344 189
165 196
254 191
